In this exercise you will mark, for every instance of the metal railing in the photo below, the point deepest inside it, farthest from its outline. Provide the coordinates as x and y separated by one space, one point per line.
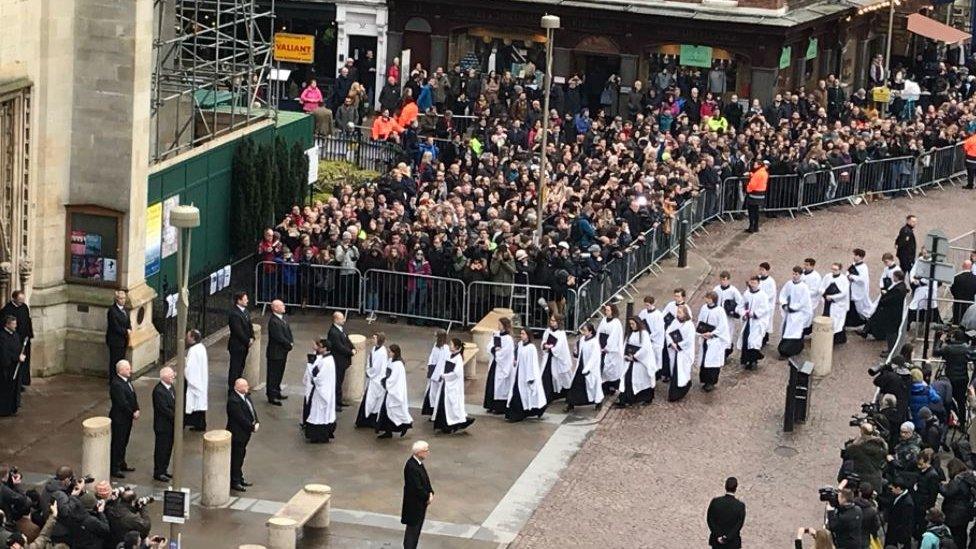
420 297
307 285
529 302
359 149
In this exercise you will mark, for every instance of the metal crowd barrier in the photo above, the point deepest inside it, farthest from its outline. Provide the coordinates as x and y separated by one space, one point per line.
307 285
887 176
421 297
359 149
530 302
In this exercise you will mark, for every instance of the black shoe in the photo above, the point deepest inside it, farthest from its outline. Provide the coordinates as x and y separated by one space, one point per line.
282 397
246 483
862 333
127 469
118 474
619 405
708 388
598 406
238 488
161 478
386 435
275 403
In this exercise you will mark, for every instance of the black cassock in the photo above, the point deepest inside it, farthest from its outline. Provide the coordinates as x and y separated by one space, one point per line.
25 329
10 347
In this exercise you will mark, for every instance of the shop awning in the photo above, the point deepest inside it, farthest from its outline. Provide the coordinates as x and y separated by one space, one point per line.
930 28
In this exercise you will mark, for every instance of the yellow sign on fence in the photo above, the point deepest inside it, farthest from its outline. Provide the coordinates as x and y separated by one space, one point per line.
881 94
294 48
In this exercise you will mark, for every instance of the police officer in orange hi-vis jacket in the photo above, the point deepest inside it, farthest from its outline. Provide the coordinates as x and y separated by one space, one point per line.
969 147
756 192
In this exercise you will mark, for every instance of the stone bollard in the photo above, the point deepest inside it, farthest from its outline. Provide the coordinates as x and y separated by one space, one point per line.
822 346
321 519
482 340
470 360
282 533
254 361
215 488
354 383
96 448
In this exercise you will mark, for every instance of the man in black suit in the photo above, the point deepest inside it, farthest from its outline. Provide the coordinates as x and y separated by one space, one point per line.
242 421
280 342
963 289
117 333
11 361
417 494
905 247
17 308
241 337
901 517
725 517
164 408
125 410
342 351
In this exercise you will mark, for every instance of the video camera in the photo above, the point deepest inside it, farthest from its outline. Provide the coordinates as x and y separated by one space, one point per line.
137 503
87 479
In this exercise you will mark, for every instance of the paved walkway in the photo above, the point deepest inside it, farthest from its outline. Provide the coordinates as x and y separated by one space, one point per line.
648 474
641 475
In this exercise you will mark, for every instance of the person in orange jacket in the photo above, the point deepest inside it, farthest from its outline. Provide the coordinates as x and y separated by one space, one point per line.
756 192
408 113
385 127
969 147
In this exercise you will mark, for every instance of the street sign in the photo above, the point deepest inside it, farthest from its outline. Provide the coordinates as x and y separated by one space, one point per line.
937 243
944 272
294 48
695 56
176 505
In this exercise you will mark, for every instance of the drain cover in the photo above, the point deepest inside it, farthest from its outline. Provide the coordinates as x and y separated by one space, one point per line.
786 451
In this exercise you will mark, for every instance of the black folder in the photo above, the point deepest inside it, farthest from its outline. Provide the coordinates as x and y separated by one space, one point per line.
551 340
497 341
448 366
430 370
647 325
631 350
676 336
729 306
832 289
704 327
886 281
668 318
603 340
852 269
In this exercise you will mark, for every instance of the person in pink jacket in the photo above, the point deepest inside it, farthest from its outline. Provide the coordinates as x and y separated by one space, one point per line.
311 97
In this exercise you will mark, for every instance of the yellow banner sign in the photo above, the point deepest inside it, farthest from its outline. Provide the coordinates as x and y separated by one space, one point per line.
294 48
881 95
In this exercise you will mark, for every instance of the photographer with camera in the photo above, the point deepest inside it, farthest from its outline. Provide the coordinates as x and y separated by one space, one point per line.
127 512
953 347
83 515
843 517
870 519
62 484
13 501
866 455
893 417
894 379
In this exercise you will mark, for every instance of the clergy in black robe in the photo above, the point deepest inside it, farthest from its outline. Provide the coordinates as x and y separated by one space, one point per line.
17 308
886 320
11 360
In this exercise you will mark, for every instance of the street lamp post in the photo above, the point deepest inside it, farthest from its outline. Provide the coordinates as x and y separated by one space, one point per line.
184 218
550 23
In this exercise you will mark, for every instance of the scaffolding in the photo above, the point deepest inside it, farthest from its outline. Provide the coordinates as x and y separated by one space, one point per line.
212 60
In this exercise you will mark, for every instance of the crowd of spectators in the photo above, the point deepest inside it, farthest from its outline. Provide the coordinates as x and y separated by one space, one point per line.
68 511
463 202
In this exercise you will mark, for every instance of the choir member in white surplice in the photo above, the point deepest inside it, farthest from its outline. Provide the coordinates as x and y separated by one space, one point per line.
794 302
861 306
681 345
716 338
670 312
587 387
527 397
653 320
919 306
319 413
637 383
753 311
499 380
729 296
812 279
394 413
835 289
768 285
197 376
557 359
611 335
450 415
887 277
435 367
376 359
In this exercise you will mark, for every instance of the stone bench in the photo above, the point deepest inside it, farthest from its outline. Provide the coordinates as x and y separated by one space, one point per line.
481 333
470 360
307 509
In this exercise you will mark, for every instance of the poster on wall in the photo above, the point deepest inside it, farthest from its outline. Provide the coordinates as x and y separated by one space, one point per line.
313 164
154 229
169 231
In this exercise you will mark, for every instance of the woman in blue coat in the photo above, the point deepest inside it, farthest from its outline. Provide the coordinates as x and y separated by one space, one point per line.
921 395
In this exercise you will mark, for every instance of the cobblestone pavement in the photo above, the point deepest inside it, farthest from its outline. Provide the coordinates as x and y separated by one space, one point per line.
644 478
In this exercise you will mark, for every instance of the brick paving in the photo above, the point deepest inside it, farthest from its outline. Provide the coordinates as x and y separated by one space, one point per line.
644 478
